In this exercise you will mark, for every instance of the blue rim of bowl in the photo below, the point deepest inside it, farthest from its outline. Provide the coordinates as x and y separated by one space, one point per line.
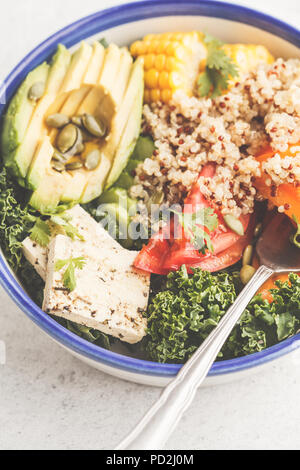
70 35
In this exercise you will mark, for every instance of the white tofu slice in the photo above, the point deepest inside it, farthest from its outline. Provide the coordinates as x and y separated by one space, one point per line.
36 255
110 295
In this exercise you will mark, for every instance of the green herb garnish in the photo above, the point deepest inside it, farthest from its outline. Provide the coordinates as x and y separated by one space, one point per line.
71 264
194 225
63 221
42 231
296 236
219 69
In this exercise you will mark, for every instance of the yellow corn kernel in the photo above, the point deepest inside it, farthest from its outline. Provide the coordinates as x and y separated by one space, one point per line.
138 48
166 96
171 62
151 78
149 61
147 97
247 56
160 62
162 47
163 80
150 37
153 46
155 95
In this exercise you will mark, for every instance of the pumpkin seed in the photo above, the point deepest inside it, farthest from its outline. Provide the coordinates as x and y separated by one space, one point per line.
234 224
58 166
247 255
80 148
67 138
258 230
36 91
246 273
57 120
74 166
59 157
86 136
77 120
92 160
94 126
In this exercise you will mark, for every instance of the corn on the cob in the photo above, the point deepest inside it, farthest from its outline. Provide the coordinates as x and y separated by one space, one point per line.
247 57
173 61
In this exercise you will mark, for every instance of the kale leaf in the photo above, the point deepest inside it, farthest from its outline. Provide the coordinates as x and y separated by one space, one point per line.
182 315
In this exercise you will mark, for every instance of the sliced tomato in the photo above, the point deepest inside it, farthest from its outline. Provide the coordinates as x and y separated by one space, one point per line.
151 257
227 257
163 254
195 198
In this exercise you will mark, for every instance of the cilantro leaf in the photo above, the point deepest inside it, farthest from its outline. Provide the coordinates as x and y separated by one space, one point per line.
219 68
69 277
40 233
205 83
194 225
70 230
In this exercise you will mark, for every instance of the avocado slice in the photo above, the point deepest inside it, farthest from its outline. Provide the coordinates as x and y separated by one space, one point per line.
136 82
41 161
123 118
48 195
110 67
74 76
36 128
18 117
130 136
94 69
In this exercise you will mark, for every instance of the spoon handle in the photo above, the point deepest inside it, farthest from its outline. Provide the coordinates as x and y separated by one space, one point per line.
158 424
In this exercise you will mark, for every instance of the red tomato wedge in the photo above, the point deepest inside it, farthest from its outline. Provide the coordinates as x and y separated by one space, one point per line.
163 255
229 256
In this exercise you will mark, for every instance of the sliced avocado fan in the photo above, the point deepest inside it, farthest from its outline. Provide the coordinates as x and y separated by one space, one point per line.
102 83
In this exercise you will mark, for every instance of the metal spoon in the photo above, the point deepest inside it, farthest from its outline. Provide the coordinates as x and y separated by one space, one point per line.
277 255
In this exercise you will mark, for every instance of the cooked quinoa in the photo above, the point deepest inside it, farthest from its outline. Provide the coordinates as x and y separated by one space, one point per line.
262 109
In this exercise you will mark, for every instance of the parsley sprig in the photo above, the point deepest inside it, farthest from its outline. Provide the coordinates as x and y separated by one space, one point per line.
219 69
71 264
43 230
194 225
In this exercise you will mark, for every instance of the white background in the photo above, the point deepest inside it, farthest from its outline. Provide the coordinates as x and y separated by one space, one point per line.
49 400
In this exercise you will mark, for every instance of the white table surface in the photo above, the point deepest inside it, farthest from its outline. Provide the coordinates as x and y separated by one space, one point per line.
50 400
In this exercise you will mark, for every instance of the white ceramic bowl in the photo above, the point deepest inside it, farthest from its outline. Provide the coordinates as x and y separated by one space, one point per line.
123 25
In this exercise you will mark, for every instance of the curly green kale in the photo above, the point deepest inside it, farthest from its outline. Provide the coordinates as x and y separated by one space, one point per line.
188 309
15 219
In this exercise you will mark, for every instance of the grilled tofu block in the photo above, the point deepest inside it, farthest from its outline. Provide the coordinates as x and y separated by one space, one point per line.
110 294
36 255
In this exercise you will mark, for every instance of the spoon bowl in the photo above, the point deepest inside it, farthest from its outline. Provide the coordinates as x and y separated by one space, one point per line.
274 247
